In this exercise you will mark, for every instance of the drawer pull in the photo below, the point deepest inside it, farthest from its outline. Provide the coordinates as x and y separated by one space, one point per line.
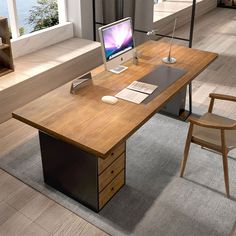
112 171
112 154
112 189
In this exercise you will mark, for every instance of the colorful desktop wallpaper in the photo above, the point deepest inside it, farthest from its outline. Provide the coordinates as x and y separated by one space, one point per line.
117 39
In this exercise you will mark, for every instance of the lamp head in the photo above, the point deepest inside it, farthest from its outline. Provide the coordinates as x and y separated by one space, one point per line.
151 33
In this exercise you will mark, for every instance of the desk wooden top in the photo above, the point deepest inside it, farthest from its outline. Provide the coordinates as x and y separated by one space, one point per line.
85 121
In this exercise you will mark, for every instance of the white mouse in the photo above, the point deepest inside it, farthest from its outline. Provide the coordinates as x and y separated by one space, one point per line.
109 99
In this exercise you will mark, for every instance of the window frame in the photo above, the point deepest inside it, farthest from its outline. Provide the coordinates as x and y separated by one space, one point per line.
32 40
13 16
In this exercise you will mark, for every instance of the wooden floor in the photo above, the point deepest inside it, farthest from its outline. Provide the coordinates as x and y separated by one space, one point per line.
168 7
216 32
24 211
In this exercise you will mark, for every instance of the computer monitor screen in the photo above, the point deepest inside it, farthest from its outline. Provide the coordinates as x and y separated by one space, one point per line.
117 44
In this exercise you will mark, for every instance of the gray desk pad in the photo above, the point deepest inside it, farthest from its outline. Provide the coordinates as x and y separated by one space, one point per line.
163 76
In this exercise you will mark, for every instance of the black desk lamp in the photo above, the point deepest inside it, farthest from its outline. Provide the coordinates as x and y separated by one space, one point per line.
169 59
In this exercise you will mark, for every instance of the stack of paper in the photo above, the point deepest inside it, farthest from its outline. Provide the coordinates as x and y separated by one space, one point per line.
136 92
142 87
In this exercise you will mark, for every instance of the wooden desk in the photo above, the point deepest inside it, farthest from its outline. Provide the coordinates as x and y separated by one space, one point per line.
83 139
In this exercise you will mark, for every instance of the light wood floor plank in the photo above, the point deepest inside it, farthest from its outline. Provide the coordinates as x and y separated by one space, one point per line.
15 224
6 212
53 218
77 226
36 206
34 229
92 230
11 133
3 176
10 185
22 197
72 226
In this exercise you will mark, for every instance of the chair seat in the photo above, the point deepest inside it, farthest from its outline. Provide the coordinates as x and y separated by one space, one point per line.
212 137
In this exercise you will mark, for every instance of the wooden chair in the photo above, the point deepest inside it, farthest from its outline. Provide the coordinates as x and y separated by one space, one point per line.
213 132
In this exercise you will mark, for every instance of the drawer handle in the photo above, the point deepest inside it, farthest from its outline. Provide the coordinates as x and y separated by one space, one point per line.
112 154
112 171
112 189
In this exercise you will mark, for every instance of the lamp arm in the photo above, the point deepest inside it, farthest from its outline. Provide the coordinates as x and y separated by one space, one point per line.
172 38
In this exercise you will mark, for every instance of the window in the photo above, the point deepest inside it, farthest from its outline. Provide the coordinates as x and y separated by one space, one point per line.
3 8
23 9
32 15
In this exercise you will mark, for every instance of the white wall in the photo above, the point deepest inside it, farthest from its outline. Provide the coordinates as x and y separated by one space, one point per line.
80 12
87 19
73 9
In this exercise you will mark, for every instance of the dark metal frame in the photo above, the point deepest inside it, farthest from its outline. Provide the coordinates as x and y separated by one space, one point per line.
189 40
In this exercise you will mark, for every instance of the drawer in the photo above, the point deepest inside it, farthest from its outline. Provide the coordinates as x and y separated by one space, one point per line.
104 163
111 189
109 174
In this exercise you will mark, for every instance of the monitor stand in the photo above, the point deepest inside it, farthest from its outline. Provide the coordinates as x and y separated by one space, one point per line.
118 69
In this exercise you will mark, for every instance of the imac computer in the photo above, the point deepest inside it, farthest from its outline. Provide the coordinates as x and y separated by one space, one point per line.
117 44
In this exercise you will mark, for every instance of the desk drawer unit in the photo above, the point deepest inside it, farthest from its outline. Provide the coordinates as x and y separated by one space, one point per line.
91 180
111 172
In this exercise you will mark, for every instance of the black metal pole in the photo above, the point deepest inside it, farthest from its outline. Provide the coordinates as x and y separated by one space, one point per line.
122 8
190 45
192 23
162 35
119 9
133 13
94 21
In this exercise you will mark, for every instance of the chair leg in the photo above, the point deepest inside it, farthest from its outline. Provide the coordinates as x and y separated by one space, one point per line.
225 162
226 172
186 150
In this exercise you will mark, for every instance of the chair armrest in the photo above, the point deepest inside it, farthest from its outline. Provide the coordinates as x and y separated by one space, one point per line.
222 97
212 125
214 96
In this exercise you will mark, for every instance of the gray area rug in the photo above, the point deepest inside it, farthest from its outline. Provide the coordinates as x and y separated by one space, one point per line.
154 201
